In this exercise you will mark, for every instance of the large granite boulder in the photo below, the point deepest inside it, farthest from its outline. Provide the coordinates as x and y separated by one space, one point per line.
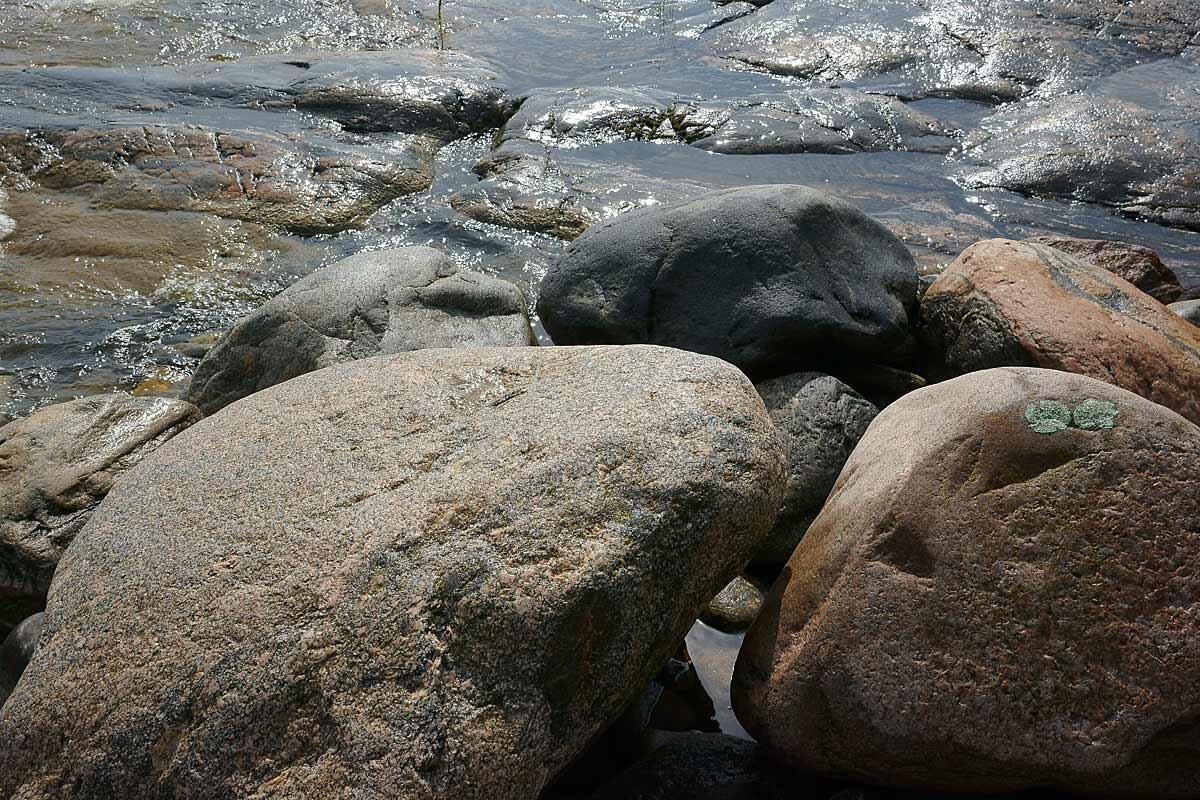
997 595
1139 265
821 420
376 303
769 278
434 574
1006 303
56 465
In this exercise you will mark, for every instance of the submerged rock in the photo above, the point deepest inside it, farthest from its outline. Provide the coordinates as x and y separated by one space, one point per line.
1005 303
995 597
56 465
213 138
1130 142
1141 266
422 575
17 651
821 420
766 277
375 303
993 50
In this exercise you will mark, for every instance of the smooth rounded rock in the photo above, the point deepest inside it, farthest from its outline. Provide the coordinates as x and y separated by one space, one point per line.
433 574
770 278
735 607
17 651
1187 309
1006 303
376 303
821 420
56 465
998 594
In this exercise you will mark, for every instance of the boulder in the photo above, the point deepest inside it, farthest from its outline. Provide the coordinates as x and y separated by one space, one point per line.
997 595
735 607
380 302
56 465
17 651
821 420
1141 266
1006 303
1188 310
432 574
769 278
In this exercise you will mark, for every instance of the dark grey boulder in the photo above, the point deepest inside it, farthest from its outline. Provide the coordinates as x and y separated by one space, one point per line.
17 651
1188 309
421 575
822 420
770 278
385 301
56 465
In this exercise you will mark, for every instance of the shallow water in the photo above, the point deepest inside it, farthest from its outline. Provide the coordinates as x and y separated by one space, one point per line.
94 299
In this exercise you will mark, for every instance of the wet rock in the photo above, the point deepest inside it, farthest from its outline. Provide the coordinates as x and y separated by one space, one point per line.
16 653
56 465
761 276
1188 309
428 575
835 121
821 420
1005 303
375 303
1141 266
994 51
1011 546
735 607
212 138
101 33
1130 142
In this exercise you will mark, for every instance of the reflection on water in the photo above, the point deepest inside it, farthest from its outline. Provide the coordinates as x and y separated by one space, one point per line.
713 654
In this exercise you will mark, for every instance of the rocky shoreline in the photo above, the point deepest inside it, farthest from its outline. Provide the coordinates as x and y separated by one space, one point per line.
602 457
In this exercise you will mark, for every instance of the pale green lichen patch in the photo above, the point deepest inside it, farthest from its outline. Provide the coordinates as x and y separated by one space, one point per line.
1048 416
1092 415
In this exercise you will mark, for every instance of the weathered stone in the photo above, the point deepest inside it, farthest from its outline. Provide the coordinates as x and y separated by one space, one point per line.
769 278
988 603
56 465
735 607
1005 303
16 653
1188 310
821 420
375 303
1141 266
414 576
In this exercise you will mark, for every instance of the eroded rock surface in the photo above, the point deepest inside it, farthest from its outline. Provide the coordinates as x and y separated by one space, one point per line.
994 597
17 651
1141 266
56 465
422 575
376 303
